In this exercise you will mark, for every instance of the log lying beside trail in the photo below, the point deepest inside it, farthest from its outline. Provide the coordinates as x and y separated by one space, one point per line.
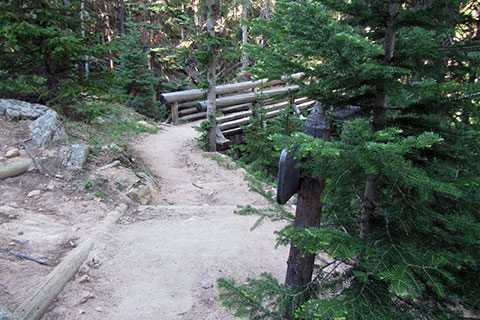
247 97
194 94
14 168
34 307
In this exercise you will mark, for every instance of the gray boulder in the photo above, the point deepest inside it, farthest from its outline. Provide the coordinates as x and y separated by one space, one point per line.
47 130
75 156
16 110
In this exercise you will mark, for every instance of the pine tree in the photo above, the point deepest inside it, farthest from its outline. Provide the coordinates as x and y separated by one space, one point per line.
400 222
40 46
134 78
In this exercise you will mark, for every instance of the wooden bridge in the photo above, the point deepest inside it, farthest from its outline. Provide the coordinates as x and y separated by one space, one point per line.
237 103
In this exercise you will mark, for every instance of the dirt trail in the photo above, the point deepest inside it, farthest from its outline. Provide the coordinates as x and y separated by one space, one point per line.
163 260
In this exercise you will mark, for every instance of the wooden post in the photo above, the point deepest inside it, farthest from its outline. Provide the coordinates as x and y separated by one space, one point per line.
309 209
175 113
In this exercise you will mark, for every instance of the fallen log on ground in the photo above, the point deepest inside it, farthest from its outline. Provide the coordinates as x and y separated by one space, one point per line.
34 307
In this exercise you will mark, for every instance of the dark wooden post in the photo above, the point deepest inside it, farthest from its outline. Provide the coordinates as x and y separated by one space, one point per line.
309 209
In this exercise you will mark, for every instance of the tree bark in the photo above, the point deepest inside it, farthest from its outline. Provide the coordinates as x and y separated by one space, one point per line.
122 18
244 33
370 195
211 76
309 210
82 22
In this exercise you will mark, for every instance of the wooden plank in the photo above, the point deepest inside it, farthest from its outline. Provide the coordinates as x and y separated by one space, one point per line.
34 307
243 106
187 111
234 116
194 94
232 131
194 116
234 124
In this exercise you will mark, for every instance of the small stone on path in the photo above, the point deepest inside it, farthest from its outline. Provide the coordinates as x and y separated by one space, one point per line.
34 193
85 296
85 278
12 153
206 284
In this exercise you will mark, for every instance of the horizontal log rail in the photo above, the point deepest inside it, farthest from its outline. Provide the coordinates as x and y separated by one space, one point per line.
193 94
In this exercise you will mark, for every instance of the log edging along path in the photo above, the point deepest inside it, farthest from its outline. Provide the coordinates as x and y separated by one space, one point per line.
35 306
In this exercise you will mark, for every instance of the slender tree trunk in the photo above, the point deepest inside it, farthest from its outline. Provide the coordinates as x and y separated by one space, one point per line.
370 195
244 33
198 18
51 73
122 18
82 21
108 32
211 95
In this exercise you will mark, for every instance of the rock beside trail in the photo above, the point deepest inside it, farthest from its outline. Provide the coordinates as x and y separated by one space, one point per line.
34 193
14 168
146 124
75 156
16 110
143 193
47 130
12 153
122 178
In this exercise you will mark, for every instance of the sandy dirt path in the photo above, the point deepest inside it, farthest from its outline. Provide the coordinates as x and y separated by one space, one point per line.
162 262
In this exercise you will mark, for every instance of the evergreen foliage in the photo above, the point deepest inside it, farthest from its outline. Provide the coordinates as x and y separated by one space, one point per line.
134 78
420 148
42 52
258 152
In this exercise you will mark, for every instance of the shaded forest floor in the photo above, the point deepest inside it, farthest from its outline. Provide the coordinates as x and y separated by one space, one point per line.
162 260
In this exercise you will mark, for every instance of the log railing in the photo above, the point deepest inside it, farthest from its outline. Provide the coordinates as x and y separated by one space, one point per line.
236 101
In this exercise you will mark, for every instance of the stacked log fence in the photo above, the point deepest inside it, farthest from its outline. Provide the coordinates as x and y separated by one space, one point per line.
236 103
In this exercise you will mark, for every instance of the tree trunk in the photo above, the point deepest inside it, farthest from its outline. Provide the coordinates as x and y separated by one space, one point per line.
370 195
122 18
198 19
244 33
309 210
211 94
85 57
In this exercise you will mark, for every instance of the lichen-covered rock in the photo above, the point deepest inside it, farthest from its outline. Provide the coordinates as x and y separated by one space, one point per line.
145 192
75 156
16 110
121 178
47 130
